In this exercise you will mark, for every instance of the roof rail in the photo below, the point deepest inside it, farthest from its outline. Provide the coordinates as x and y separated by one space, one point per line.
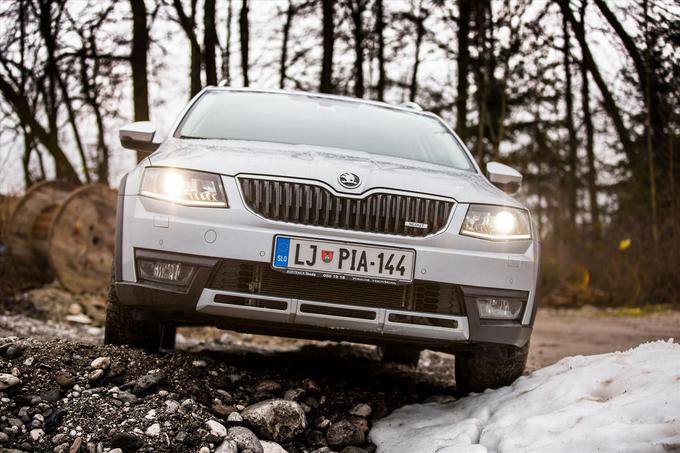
411 105
223 83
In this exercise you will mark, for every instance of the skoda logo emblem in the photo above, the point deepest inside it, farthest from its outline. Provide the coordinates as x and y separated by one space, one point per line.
349 180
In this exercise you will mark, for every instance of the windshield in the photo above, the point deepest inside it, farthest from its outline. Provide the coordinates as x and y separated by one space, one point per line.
310 120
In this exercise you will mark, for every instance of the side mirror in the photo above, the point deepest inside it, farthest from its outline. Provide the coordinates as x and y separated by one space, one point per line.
139 136
505 178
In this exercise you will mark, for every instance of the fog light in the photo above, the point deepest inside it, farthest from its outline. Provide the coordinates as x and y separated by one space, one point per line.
165 272
499 308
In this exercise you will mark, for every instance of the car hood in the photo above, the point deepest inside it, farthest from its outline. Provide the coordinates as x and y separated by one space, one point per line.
233 158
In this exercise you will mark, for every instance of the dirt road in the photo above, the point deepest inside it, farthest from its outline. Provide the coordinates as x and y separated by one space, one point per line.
564 333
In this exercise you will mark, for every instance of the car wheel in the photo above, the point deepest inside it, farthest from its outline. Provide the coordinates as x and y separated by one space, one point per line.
476 372
402 355
124 330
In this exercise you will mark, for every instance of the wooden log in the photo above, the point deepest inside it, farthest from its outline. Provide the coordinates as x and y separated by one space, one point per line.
25 236
81 239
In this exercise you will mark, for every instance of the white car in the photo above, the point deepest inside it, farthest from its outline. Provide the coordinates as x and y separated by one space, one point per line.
324 217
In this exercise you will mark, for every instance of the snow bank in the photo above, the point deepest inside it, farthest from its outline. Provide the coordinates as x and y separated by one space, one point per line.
622 401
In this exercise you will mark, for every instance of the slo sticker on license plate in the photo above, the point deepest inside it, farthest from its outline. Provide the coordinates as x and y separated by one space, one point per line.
343 260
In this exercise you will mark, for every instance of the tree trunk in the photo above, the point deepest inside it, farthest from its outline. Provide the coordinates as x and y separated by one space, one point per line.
420 32
328 12
571 130
244 30
283 63
463 35
209 42
226 69
357 12
138 62
380 32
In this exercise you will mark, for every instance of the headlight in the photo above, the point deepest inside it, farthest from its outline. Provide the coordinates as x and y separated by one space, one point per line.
496 223
187 187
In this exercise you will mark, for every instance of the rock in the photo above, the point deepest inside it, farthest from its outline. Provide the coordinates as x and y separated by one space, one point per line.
316 439
361 410
360 423
101 363
58 439
344 433
271 447
235 417
311 386
199 363
222 410
15 350
171 406
64 378
4 438
75 309
126 397
153 430
204 450
116 450
268 386
188 405
75 446
95 375
79 319
293 394
36 434
322 450
29 361
352 449
217 429
245 439
8 381
312 402
441 399
126 442
228 446
147 383
279 420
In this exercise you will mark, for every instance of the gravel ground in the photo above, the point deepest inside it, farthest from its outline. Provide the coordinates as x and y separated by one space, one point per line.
61 390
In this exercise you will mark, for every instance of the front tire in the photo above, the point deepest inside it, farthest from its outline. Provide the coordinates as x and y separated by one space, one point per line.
123 329
485 369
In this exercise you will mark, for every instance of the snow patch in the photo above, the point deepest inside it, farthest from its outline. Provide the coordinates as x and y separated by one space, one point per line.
622 401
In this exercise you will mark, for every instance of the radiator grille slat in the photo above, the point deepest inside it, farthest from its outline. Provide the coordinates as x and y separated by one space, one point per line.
311 204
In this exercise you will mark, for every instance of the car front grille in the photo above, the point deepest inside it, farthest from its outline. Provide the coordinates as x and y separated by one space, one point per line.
261 279
310 204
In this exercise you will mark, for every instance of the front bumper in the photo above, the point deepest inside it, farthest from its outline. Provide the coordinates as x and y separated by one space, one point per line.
204 236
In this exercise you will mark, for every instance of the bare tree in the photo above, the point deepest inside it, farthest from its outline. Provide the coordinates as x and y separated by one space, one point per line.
138 60
244 31
328 17
209 42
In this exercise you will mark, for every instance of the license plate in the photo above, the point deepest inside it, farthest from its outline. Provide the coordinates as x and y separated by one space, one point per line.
343 260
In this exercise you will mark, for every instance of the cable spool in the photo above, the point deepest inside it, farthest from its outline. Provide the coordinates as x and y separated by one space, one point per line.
68 230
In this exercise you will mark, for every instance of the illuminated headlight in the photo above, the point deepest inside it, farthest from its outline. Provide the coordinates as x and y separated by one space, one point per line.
187 187
496 222
499 307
